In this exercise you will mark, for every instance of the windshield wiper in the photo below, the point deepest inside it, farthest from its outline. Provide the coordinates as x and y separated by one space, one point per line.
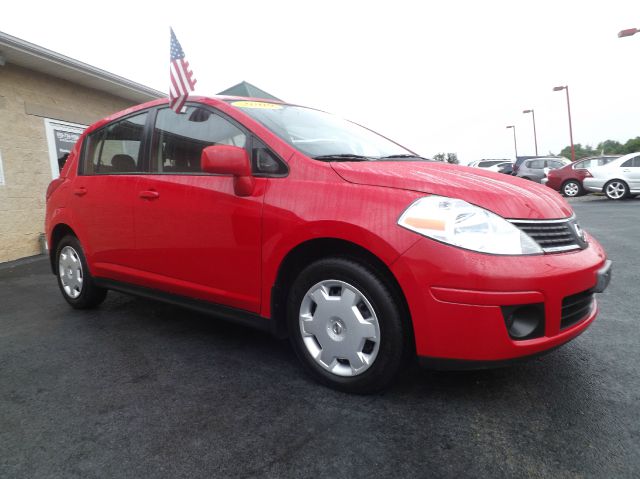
393 157
343 157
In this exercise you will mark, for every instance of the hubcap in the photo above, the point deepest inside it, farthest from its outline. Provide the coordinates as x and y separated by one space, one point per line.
615 190
70 271
339 328
571 189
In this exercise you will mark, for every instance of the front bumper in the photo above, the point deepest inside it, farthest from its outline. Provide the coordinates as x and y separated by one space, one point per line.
456 298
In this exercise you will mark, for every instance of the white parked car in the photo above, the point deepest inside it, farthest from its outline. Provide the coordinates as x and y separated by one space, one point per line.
487 163
497 166
618 179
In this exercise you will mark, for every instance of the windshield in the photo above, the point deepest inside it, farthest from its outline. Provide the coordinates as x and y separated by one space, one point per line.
323 136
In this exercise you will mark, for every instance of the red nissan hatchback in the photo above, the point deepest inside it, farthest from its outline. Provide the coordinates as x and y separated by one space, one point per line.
298 222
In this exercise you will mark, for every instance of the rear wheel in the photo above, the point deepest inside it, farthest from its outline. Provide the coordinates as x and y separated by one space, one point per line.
616 190
75 281
346 326
571 189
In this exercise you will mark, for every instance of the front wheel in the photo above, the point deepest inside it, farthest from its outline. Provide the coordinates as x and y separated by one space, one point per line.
346 326
571 189
616 190
75 281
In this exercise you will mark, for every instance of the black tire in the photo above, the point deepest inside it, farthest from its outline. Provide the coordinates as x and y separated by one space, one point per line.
616 190
87 295
393 343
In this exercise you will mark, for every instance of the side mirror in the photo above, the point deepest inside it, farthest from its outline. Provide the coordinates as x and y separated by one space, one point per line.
229 160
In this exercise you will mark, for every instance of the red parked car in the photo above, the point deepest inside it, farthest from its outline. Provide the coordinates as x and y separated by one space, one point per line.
292 220
568 180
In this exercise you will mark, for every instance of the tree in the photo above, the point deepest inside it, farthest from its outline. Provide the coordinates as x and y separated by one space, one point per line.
439 157
632 146
610 147
607 147
581 151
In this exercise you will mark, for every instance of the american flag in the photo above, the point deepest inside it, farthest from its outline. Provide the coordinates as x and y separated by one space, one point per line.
182 81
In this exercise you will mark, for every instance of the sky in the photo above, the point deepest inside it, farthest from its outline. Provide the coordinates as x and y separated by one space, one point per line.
441 76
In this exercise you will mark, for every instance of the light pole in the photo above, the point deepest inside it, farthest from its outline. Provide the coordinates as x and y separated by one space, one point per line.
628 32
535 136
515 145
566 89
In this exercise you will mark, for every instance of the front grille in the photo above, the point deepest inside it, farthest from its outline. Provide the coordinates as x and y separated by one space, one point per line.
575 308
552 236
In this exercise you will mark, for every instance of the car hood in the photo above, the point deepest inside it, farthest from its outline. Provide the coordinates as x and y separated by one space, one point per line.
507 196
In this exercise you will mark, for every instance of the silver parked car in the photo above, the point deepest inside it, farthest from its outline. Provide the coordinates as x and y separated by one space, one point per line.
536 169
618 179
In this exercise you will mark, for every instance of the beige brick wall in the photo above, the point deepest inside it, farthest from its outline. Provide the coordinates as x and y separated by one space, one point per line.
25 95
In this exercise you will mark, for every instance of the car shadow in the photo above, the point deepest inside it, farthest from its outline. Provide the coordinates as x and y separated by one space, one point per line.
184 332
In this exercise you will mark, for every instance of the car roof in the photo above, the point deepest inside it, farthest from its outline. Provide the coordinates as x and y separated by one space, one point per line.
212 100
556 158
597 157
618 161
626 157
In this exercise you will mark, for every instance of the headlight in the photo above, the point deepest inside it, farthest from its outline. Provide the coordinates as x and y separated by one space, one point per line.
461 224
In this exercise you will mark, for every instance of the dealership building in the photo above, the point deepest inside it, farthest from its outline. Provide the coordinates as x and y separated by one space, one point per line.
46 101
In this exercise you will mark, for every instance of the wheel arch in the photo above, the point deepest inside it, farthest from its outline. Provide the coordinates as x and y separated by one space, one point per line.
59 231
311 250
625 182
621 180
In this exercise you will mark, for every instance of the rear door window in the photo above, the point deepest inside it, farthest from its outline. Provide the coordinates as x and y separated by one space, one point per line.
536 164
115 149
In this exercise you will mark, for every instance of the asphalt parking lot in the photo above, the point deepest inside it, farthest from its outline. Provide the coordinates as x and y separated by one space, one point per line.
140 389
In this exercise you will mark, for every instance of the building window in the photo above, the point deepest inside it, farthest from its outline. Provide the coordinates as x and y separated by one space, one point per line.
61 137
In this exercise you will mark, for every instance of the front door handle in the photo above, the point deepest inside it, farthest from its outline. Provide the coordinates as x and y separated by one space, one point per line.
627 171
149 195
80 191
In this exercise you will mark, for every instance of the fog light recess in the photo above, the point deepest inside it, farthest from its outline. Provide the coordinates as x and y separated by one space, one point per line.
525 321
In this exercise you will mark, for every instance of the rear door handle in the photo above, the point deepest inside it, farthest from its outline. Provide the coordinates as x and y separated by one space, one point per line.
149 194
627 171
80 191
